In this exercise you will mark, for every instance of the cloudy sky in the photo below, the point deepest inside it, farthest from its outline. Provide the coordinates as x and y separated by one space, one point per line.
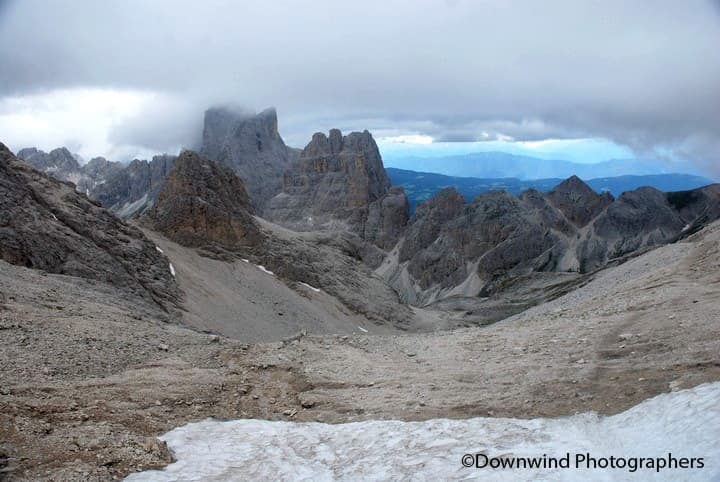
581 79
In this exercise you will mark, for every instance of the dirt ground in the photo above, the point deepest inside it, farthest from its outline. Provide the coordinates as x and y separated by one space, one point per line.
87 380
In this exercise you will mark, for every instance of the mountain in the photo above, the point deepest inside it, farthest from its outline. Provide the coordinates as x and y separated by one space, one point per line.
204 205
135 188
453 249
251 146
420 186
62 164
203 202
504 165
45 224
339 183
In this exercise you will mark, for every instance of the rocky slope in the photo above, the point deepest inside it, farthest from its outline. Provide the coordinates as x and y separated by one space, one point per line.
339 184
250 145
204 203
45 224
451 249
80 401
61 164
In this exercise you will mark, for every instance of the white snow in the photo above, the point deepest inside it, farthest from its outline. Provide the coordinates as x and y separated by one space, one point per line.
362 329
245 260
265 270
685 423
159 250
172 270
316 290
54 217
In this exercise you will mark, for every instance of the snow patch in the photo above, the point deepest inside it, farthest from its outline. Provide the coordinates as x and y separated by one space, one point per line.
159 250
316 290
685 423
245 260
53 216
172 270
264 269
362 329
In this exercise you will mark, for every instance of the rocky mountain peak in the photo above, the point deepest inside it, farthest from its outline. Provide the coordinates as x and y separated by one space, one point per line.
250 145
577 201
340 183
57 160
203 203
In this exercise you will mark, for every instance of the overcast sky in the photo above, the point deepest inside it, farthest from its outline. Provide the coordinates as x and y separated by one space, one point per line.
120 78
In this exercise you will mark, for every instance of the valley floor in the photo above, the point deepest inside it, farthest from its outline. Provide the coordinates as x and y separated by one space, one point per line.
88 380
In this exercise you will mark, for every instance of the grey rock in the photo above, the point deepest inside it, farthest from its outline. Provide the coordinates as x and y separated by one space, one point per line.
133 190
577 201
45 224
339 184
61 164
452 249
250 145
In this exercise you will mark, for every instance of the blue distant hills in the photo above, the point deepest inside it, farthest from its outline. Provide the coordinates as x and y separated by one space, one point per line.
486 165
420 186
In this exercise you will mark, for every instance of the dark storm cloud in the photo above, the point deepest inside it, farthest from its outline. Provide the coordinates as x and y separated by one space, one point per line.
642 73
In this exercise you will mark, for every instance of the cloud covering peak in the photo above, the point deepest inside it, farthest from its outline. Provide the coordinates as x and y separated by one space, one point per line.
643 74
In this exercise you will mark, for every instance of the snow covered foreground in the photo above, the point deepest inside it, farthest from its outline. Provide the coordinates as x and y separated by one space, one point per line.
684 423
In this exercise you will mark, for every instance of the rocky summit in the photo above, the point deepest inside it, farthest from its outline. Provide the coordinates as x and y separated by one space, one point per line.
339 184
61 164
577 201
204 203
251 146
453 249
45 224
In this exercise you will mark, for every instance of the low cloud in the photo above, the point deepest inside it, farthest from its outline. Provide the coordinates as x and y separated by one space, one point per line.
643 74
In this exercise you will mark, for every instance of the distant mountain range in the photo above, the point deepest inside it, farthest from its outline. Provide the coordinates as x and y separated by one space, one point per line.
504 165
420 186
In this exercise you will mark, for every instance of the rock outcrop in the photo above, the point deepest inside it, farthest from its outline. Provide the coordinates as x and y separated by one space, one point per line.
251 146
203 203
339 184
61 164
577 201
134 189
637 220
45 224
452 249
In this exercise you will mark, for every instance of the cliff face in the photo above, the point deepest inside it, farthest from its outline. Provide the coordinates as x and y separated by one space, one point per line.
339 183
251 146
45 224
203 203
134 189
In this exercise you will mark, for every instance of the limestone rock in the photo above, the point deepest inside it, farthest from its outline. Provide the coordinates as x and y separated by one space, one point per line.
133 190
45 224
204 203
251 146
452 249
61 164
339 184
